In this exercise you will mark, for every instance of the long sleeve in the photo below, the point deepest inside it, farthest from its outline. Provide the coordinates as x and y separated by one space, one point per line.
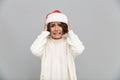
38 45
76 45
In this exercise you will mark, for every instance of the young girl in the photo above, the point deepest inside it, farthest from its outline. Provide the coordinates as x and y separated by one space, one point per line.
57 46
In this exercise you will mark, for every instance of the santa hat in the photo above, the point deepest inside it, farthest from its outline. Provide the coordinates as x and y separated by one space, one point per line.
56 16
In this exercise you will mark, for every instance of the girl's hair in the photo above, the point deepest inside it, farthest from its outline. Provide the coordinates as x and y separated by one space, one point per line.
62 24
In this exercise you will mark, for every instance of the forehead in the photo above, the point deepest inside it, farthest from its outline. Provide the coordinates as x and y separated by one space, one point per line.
55 23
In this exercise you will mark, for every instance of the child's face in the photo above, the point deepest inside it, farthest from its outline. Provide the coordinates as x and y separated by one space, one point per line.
56 30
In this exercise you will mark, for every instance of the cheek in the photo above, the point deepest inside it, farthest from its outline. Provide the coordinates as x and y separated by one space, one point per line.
60 29
51 29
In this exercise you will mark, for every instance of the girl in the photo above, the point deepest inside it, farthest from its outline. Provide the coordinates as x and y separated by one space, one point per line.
57 46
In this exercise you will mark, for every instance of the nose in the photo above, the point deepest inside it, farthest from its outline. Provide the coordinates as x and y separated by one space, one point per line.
56 27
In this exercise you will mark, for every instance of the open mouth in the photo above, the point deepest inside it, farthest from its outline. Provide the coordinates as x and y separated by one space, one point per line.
57 33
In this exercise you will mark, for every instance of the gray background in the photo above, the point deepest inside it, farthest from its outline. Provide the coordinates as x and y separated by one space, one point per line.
96 22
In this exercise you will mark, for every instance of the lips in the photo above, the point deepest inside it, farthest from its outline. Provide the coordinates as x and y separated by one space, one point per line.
57 33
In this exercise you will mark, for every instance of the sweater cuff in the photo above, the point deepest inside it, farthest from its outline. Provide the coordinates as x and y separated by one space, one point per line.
44 34
70 32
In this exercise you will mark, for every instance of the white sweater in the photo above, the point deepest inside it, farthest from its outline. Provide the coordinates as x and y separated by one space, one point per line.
57 56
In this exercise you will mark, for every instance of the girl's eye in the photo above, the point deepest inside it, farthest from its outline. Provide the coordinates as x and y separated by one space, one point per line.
52 25
60 25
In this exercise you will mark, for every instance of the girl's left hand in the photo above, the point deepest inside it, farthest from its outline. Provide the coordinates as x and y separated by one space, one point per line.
69 26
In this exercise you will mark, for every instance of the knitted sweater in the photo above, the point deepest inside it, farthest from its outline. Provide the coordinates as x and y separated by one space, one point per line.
57 56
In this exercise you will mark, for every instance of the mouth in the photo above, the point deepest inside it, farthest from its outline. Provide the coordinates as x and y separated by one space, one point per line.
57 33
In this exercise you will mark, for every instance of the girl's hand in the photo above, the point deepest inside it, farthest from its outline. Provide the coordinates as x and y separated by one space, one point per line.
45 27
69 26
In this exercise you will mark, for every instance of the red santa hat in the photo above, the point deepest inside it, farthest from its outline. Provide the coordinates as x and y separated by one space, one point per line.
56 16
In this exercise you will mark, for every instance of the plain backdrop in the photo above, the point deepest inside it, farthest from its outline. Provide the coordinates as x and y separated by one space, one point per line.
96 22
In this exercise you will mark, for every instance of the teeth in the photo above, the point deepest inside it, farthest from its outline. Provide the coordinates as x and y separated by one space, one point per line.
57 33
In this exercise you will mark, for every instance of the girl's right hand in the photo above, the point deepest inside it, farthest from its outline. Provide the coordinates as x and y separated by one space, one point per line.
45 27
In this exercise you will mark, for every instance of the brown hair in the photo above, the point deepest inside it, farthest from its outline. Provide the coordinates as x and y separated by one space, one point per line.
62 24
